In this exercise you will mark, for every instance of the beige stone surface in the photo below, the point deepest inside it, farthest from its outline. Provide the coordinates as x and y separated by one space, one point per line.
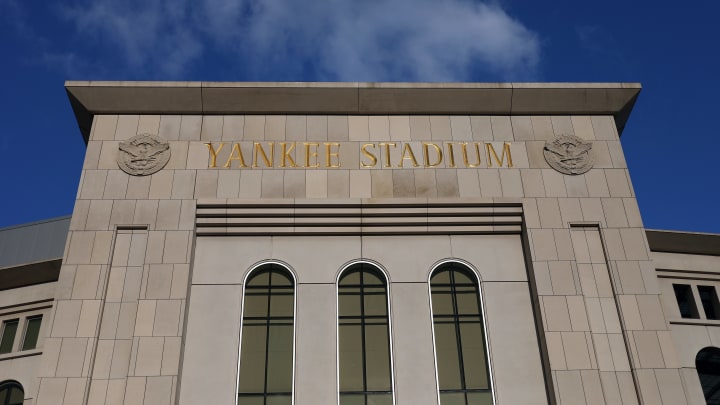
481 128
149 356
522 128
410 260
576 270
229 184
490 185
379 128
169 127
513 345
413 352
578 314
359 128
338 128
420 127
317 128
227 260
403 183
275 127
190 127
461 129
209 357
104 127
604 128
296 128
557 317
554 183
248 185
440 127
648 387
232 128
592 387
319 345
360 184
127 126
300 254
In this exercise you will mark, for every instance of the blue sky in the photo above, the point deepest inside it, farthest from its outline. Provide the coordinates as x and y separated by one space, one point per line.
671 141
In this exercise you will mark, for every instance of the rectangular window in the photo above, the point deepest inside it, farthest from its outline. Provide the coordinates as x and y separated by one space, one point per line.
8 335
32 331
709 300
686 301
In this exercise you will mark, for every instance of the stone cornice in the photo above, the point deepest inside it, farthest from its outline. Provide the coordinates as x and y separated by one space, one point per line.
89 98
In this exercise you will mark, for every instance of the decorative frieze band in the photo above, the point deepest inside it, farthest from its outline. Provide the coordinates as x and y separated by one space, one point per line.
365 218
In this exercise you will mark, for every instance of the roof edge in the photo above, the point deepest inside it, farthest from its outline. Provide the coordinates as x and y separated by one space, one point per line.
89 98
683 242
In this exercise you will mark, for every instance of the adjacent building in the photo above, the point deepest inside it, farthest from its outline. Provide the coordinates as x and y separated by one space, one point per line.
356 243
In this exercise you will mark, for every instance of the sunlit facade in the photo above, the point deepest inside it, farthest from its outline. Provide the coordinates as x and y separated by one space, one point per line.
356 244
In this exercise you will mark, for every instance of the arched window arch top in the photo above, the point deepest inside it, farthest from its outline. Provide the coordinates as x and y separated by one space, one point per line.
11 393
707 363
463 368
364 347
265 370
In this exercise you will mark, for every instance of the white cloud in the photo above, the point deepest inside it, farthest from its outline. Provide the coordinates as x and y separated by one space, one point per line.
367 40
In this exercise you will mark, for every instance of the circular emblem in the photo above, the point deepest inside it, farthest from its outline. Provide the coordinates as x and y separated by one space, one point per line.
143 154
568 154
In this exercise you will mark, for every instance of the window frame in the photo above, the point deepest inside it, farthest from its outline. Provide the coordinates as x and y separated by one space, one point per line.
10 384
22 313
712 351
23 337
378 267
256 267
478 280
714 300
671 308
17 320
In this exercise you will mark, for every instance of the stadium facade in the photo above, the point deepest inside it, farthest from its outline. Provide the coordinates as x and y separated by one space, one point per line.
356 243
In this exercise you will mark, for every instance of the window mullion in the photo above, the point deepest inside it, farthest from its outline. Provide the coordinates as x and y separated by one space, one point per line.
267 338
362 333
458 339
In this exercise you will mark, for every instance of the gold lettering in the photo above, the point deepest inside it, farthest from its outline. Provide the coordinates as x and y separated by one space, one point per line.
426 154
465 154
258 148
367 153
505 152
235 154
309 154
387 146
408 150
451 154
213 153
286 154
329 154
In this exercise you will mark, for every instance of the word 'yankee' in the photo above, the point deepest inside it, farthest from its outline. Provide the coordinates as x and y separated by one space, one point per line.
372 155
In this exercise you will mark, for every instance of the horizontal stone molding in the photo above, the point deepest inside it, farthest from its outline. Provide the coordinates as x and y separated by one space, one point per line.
89 98
238 218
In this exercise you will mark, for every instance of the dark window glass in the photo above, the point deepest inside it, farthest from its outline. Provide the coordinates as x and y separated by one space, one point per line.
685 300
32 331
11 393
707 363
8 335
364 342
266 351
709 300
460 348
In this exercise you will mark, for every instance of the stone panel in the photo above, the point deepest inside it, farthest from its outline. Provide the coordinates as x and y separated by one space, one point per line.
211 345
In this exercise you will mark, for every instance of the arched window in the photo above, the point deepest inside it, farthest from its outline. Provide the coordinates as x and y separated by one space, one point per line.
266 350
11 393
460 349
707 363
364 337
